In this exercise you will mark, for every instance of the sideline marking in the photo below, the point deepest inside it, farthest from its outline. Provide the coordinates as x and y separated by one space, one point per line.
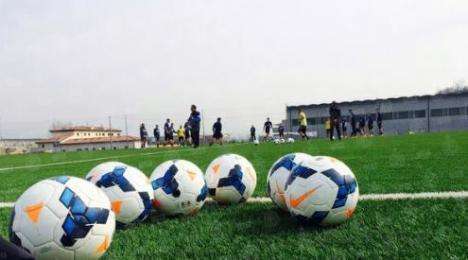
364 197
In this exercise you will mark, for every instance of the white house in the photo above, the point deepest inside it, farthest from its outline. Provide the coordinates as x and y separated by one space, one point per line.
87 138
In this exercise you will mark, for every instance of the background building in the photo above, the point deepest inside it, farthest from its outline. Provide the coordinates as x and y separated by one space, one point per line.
430 113
86 138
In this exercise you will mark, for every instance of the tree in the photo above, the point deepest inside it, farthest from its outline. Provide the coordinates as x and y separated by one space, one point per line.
457 88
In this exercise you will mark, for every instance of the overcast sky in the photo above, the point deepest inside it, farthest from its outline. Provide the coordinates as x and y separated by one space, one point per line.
81 61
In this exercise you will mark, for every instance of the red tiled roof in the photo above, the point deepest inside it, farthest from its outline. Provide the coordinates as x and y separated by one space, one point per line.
57 138
84 128
107 139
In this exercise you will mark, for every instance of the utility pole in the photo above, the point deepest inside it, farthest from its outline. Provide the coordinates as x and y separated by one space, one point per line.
110 132
1 137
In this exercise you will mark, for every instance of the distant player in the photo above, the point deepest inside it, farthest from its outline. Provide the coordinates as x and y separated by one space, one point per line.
327 127
335 118
281 131
303 124
194 121
217 131
143 135
378 115
362 125
181 135
157 135
253 136
353 121
344 127
370 125
169 132
187 132
267 128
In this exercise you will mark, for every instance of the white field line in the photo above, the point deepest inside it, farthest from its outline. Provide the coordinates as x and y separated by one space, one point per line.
100 159
372 197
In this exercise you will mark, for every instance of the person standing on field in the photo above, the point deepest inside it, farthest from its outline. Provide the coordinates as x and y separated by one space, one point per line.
157 135
335 118
143 135
217 131
353 120
378 115
195 120
327 127
267 128
253 137
281 131
303 124
181 136
168 133
187 132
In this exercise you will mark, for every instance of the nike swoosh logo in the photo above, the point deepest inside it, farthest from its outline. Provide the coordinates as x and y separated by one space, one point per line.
295 202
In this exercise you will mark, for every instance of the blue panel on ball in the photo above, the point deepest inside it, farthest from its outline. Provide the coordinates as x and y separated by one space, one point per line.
203 193
80 219
234 179
286 162
335 176
299 171
61 179
168 183
145 198
116 177
77 206
346 185
66 197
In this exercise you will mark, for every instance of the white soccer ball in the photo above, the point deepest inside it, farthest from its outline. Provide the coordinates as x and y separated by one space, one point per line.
127 188
179 187
290 140
256 142
63 218
282 141
322 190
276 141
279 174
230 178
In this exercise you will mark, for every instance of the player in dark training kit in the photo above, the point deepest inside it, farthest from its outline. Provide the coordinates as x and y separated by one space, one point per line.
217 131
267 128
335 120
194 121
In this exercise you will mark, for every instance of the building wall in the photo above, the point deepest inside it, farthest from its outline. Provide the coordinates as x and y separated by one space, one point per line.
90 147
402 115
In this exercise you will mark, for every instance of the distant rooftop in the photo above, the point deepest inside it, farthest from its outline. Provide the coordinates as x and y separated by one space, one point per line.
84 128
356 102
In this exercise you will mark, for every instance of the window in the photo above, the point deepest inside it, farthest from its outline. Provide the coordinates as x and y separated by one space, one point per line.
455 111
438 112
78 150
403 115
387 116
42 145
115 148
295 122
419 113
103 148
313 121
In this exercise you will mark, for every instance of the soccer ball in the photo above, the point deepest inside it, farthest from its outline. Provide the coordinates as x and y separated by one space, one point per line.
290 140
179 187
279 174
321 190
282 141
231 179
63 218
276 141
128 190
256 142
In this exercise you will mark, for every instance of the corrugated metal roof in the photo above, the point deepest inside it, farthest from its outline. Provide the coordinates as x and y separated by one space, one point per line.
356 102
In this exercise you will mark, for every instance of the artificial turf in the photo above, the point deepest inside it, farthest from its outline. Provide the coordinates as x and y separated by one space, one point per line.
411 163
379 229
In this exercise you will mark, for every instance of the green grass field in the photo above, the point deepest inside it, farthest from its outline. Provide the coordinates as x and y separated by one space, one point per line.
383 229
